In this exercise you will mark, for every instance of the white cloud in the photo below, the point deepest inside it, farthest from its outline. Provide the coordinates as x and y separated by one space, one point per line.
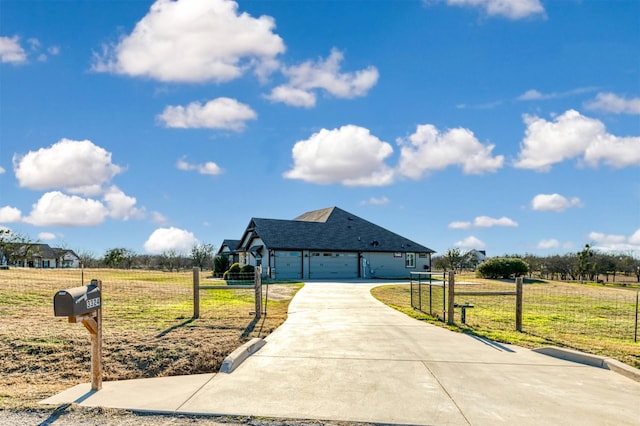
10 214
2 170
58 209
46 236
484 222
610 102
470 242
77 166
220 113
159 218
292 96
554 202
512 9
122 206
350 155
428 150
551 243
193 41
613 242
325 75
208 168
573 135
535 95
373 201
11 52
170 239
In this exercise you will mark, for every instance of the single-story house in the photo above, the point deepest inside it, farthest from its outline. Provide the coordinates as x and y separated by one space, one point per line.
229 248
329 244
40 256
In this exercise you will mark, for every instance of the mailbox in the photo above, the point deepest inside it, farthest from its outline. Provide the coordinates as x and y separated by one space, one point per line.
77 301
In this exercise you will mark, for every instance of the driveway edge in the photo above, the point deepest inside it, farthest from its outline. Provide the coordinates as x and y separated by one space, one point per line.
233 360
592 360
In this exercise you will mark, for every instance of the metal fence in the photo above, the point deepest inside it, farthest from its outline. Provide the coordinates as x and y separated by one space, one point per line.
553 310
140 299
428 293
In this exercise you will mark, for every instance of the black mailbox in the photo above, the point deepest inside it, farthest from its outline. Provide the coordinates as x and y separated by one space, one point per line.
77 301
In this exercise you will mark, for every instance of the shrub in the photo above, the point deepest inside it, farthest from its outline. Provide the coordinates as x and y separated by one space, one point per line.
220 264
247 269
232 273
502 267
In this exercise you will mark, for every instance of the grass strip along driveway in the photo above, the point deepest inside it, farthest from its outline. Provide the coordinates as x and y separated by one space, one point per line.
590 318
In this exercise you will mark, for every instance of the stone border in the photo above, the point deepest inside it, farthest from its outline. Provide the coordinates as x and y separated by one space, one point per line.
233 360
592 360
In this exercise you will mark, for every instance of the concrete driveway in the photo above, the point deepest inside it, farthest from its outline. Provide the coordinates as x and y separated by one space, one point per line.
342 355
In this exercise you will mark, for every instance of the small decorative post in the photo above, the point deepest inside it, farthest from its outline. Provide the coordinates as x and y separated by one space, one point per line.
451 301
519 303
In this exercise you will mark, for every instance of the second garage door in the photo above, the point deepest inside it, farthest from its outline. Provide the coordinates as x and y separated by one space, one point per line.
333 265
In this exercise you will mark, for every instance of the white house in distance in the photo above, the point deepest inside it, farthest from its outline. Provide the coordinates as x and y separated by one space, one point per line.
41 256
327 244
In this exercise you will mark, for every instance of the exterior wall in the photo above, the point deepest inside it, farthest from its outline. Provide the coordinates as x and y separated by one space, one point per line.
372 264
69 261
390 265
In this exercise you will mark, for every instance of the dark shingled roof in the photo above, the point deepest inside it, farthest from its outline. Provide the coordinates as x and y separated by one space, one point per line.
232 244
330 229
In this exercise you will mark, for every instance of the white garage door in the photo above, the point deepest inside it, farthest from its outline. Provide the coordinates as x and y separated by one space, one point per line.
288 265
333 265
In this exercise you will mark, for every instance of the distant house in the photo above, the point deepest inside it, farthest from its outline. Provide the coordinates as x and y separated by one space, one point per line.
39 256
473 258
229 248
328 244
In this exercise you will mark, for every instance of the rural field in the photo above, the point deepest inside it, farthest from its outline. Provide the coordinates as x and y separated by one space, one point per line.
148 330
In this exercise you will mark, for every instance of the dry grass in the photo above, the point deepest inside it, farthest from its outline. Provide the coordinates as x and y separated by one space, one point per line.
147 329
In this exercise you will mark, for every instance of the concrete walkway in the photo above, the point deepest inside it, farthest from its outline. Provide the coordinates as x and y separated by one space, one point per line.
342 355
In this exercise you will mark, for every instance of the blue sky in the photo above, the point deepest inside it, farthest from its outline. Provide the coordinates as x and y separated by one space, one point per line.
507 126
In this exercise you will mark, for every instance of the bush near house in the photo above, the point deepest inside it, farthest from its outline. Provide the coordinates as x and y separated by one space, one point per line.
232 273
220 265
502 267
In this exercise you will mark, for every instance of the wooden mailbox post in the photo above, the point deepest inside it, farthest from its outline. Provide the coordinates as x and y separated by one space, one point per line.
84 304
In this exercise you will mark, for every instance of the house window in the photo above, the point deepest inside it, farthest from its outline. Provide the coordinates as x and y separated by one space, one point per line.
410 260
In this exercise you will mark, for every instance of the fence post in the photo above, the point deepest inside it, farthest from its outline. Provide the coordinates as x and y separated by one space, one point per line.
450 307
519 303
258 290
411 289
196 292
635 332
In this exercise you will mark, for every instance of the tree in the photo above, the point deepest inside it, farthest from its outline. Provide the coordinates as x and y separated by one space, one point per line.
502 267
169 260
220 264
202 254
15 247
87 259
453 257
586 266
116 257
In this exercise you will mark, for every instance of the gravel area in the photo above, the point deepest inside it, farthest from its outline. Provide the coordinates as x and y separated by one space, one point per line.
71 415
